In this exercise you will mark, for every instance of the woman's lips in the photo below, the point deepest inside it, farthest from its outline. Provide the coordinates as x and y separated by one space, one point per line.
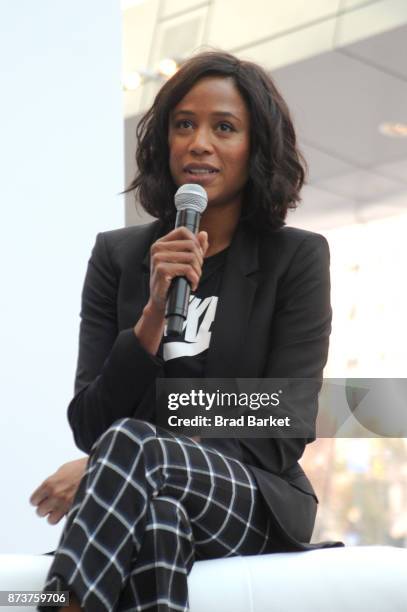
202 176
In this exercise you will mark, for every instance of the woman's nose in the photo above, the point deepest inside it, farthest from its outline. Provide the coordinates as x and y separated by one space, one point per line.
201 141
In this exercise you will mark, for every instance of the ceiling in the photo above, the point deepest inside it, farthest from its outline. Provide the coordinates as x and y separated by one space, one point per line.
338 100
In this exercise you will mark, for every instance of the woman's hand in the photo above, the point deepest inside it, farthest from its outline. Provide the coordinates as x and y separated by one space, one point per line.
178 253
55 495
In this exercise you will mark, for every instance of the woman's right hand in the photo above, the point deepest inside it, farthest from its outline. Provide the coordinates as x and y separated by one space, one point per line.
178 253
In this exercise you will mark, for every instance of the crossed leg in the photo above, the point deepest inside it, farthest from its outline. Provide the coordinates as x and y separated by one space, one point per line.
152 502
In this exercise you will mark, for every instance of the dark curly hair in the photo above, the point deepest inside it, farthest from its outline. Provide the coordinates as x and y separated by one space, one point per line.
276 167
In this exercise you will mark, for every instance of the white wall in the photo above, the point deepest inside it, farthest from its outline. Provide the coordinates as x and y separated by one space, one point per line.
61 161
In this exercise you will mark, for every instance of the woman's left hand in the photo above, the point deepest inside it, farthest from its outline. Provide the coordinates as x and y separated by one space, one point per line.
56 494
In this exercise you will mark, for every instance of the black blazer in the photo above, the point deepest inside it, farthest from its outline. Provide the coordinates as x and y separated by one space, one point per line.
273 320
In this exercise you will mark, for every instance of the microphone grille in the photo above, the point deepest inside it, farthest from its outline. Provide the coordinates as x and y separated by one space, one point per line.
192 196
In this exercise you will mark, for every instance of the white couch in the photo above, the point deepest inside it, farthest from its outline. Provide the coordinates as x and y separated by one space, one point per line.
350 579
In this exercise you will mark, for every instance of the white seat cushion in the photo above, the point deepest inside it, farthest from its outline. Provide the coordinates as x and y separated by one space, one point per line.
351 579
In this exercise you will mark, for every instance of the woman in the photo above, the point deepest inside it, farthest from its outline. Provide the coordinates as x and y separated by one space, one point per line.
151 501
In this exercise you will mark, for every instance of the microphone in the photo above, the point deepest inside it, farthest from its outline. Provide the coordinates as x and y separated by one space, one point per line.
190 202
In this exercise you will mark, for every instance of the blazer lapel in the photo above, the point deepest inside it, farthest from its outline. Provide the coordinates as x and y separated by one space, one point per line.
226 355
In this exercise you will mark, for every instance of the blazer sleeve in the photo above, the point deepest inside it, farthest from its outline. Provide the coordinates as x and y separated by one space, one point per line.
300 333
113 370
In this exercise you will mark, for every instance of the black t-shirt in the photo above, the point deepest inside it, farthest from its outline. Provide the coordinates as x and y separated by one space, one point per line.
185 356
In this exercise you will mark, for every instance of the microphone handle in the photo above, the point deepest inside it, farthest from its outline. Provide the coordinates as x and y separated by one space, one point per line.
180 289
189 218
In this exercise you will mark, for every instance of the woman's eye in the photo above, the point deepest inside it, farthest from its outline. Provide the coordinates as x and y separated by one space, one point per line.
225 127
183 123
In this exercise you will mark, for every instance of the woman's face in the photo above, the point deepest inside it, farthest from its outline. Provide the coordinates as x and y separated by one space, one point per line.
209 140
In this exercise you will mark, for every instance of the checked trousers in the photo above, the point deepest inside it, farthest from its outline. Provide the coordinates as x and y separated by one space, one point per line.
151 503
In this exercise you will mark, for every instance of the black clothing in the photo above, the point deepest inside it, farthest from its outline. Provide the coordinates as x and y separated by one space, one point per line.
273 320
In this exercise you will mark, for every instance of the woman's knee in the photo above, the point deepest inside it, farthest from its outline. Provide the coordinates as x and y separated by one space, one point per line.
133 428
126 433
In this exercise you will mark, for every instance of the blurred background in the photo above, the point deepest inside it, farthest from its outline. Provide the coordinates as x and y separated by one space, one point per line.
77 78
